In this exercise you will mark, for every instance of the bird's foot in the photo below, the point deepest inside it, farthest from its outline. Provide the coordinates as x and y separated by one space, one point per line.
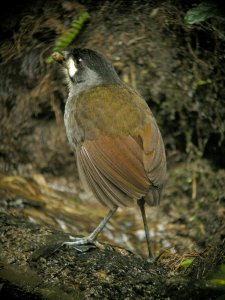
82 244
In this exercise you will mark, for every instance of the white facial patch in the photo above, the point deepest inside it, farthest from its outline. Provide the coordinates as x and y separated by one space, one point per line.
71 67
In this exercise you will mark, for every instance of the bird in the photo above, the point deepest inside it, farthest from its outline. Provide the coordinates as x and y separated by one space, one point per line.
119 148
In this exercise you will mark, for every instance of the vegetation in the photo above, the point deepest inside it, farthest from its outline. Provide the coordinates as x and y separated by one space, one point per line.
66 39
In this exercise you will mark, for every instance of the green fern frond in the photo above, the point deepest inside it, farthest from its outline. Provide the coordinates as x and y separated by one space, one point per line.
63 41
201 13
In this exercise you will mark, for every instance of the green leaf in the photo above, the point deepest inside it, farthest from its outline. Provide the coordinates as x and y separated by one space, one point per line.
217 281
217 278
187 262
201 82
200 13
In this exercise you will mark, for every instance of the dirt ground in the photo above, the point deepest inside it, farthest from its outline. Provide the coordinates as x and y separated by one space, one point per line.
177 68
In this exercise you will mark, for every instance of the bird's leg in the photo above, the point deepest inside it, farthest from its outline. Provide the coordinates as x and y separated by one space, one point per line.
93 236
141 204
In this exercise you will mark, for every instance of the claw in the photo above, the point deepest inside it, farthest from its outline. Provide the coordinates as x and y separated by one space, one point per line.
82 244
85 243
80 248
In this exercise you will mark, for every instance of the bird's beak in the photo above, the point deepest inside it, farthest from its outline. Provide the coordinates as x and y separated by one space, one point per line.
60 57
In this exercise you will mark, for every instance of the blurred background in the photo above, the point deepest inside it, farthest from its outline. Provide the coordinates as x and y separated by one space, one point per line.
173 53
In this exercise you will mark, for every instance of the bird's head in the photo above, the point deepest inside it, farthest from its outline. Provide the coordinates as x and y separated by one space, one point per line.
85 68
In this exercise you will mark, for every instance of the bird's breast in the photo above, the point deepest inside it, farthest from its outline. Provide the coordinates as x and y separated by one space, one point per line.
74 131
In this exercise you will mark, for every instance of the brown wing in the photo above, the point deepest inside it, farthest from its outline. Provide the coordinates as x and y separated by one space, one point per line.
122 169
154 160
120 152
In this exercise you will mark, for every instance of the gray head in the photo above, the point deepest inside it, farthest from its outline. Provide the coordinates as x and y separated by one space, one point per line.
86 68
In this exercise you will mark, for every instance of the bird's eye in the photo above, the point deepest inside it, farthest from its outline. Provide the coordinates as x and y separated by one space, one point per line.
78 62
